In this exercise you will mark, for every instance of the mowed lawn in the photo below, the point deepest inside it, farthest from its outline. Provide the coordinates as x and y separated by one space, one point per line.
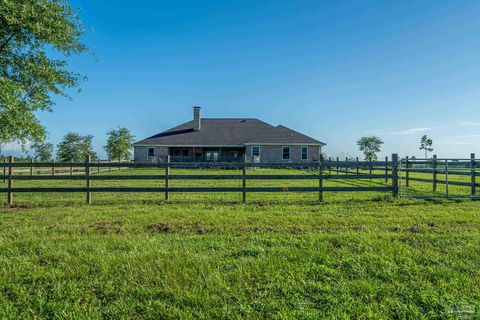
282 255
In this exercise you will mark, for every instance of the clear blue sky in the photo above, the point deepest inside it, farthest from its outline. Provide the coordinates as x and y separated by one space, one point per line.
335 70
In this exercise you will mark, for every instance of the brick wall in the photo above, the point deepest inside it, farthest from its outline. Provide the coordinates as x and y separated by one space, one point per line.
140 154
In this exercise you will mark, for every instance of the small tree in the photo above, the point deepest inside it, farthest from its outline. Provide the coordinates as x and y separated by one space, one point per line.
370 146
42 151
75 147
119 144
426 144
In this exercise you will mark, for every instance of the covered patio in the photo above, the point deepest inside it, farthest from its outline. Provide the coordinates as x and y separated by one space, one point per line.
201 154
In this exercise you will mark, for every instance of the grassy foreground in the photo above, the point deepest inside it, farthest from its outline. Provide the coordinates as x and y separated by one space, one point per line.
211 257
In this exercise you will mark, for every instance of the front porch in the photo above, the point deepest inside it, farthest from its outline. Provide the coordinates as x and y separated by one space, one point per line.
206 154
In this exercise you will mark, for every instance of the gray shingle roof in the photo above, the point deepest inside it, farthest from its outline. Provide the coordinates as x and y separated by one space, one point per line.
228 132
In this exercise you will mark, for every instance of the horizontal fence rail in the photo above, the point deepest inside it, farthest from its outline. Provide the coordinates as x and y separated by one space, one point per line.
207 177
194 165
91 171
201 189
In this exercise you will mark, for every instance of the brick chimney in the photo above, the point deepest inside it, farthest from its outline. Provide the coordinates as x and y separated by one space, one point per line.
197 121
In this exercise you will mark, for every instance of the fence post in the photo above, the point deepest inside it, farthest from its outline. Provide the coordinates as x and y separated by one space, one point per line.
338 167
358 167
370 167
320 179
4 169
446 178
472 173
10 181
386 169
87 177
434 175
407 173
98 167
167 177
329 164
395 175
53 168
109 165
31 167
71 168
244 180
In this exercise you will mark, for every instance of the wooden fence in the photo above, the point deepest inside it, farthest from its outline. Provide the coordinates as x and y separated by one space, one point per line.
345 170
455 172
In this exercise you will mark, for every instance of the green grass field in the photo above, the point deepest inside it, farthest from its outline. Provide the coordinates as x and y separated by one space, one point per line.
282 255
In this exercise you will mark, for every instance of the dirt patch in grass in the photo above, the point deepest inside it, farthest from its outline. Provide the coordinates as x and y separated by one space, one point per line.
20 206
105 226
194 227
415 228
159 227
9 294
198 227
397 229
256 229
295 230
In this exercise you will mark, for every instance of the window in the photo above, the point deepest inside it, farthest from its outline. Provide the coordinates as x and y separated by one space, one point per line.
256 151
151 152
179 153
304 153
211 156
286 153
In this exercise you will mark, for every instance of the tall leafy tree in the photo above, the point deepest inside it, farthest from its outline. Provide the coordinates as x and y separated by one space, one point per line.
75 147
370 146
87 147
119 144
42 151
36 37
426 144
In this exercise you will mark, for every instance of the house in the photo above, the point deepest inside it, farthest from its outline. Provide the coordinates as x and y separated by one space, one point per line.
228 139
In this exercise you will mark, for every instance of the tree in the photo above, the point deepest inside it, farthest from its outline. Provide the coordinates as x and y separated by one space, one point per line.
42 151
370 146
119 144
426 144
35 39
75 147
